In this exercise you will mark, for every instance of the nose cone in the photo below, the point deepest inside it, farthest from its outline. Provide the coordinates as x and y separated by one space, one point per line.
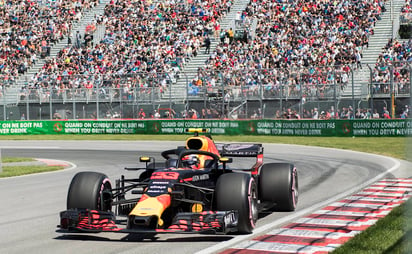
149 208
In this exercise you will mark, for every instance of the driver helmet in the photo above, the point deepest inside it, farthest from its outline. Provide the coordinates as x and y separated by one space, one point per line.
191 161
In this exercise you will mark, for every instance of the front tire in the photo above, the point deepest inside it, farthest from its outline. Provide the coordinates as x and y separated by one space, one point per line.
238 191
90 190
278 184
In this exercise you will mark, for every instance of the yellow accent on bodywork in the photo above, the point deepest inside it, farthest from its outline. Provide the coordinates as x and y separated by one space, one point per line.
151 206
202 143
197 208
198 130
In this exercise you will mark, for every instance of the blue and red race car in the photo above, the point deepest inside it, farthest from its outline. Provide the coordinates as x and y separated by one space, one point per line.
194 190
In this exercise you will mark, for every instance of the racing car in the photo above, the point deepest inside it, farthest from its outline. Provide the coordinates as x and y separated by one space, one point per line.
193 189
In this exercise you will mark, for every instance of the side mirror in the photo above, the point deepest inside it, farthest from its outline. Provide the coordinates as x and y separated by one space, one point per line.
226 160
144 159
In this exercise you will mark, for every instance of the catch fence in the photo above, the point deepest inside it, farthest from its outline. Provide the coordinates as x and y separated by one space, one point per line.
223 94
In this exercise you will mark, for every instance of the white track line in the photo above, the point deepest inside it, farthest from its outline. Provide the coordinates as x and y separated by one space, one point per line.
260 230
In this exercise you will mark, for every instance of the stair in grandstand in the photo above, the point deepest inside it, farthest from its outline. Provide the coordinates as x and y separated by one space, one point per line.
385 29
13 93
179 89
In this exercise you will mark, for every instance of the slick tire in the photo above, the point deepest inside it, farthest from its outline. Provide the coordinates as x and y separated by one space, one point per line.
278 184
90 190
238 191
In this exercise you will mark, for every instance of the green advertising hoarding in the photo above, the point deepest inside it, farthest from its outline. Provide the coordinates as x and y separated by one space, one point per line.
71 127
327 128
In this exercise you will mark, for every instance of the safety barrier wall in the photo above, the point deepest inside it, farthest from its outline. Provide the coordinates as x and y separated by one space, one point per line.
326 128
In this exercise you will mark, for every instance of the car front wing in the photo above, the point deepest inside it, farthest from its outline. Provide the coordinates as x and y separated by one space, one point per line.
94 221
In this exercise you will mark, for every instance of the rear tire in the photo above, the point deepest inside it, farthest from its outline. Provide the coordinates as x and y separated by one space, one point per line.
278 184
238 191
90 190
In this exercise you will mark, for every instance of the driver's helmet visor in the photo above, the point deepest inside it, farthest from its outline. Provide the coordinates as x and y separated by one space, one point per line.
190 160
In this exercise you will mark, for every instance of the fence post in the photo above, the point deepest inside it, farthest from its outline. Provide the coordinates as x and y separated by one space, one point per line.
410 89
51 103
371 88
353 92
4 103
97 101
1 163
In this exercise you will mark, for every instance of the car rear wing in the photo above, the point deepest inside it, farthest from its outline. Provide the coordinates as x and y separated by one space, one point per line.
239 150
243 150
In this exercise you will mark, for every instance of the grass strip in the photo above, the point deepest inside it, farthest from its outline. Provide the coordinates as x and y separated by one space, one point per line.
15 159
390 235
9 171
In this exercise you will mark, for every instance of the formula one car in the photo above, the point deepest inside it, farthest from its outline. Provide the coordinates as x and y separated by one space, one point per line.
192 191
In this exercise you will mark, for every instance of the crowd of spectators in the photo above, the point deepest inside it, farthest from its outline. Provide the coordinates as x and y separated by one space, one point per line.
299 48
395 59
406 13
155 37
308 46
310 82
28 29
315 113
342 113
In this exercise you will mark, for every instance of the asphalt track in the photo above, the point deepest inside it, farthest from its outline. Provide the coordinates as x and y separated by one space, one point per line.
30 205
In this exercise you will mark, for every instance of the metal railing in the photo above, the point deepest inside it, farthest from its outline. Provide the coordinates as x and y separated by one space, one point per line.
235 94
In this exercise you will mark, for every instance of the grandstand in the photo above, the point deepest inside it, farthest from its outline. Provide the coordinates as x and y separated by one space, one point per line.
107 59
